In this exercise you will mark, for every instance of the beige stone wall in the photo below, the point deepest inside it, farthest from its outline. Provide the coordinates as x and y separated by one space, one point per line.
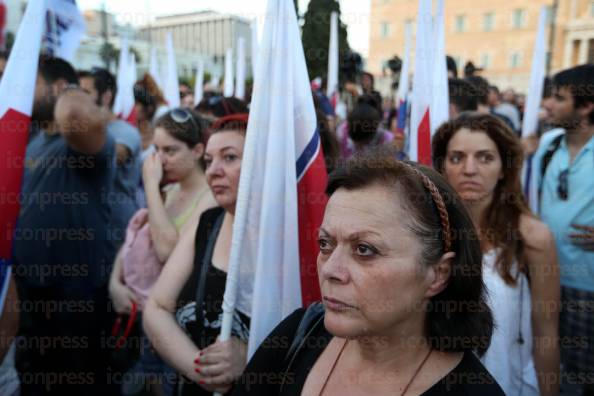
496 47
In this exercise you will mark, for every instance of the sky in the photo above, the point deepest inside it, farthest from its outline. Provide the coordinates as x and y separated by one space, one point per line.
355 13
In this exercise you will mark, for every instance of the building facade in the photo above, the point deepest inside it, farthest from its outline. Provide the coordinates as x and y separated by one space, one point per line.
89 51
498 35
207 33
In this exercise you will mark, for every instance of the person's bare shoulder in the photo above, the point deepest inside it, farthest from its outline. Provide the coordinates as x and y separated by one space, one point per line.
535 233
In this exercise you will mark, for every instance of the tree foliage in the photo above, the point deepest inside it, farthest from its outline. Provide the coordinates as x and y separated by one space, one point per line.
316 36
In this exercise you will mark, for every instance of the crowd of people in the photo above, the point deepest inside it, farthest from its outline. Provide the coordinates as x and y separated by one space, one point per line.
434 281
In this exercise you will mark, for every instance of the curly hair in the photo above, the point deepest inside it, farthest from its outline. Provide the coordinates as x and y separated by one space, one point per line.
501 223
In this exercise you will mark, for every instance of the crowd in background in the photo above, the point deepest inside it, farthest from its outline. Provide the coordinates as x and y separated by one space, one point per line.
125 230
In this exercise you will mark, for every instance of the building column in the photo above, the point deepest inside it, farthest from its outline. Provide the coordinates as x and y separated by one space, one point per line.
567 52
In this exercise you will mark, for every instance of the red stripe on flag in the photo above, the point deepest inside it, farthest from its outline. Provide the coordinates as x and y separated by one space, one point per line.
14 130
131 119
424 140
312 200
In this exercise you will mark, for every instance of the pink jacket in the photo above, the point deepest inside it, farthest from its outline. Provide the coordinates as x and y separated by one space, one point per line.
140 263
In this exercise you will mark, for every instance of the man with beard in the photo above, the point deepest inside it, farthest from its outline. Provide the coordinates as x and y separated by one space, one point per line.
101 85
62 248
567 207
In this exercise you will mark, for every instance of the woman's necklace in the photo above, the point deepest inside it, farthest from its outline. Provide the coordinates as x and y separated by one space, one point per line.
405 388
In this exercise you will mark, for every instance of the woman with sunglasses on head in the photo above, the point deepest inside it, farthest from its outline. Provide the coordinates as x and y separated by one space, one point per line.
404 306
183 314
176 195
482 159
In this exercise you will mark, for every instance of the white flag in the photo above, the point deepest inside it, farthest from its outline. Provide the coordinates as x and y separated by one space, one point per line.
65 27
440 106
17 89
274 168
199 83
215 82
420 121
530 180
240 74
228 90
171 83
255 46
537 76
332 86
154 68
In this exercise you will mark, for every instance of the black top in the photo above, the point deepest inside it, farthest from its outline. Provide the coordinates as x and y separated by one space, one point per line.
265 372
206 333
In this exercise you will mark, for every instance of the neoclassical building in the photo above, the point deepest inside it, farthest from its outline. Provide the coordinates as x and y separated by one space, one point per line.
498 35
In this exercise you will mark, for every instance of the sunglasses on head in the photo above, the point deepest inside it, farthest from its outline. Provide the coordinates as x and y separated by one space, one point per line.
181 116
563 187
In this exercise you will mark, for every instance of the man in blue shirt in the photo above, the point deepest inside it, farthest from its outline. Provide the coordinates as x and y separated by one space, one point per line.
63 252
101 85
567 207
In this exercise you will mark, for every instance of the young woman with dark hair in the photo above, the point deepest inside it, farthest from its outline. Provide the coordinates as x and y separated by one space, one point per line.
176 195
482 159
404 308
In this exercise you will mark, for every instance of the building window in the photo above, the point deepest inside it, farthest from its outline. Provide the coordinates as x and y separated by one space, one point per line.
488 21
575 52
486 61
590 51
515 60
385 30
518 18
460 23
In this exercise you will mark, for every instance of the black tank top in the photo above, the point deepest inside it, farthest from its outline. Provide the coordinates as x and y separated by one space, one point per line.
206 332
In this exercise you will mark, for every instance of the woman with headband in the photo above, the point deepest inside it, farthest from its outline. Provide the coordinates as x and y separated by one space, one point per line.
403 303
482 159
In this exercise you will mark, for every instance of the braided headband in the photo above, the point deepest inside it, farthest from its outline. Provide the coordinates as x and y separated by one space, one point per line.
439 202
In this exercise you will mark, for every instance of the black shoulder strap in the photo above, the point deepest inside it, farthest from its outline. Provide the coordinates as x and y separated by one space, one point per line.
548 155
313 316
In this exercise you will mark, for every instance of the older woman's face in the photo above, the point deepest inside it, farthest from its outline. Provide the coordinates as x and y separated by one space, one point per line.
369 270
224 151
473 165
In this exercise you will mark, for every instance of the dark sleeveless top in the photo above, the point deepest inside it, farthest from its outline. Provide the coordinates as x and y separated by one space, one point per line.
275 370
206 332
